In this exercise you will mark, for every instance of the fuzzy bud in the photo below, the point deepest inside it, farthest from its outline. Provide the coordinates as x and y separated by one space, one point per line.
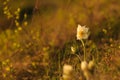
84 65
91 65
67 69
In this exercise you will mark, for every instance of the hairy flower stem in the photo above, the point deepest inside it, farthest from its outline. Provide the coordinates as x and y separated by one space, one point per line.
78 57
83 49
59 61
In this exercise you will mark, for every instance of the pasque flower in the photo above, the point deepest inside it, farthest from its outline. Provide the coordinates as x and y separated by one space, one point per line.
82 32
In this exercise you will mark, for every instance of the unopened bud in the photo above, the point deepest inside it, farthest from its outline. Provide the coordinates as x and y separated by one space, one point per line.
67 69
84 65
91 65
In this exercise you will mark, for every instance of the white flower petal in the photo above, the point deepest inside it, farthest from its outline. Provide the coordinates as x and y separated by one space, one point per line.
82 32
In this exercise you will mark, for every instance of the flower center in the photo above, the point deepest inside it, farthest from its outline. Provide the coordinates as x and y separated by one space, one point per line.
81 33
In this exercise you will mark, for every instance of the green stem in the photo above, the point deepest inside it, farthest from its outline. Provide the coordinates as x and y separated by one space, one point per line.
59 65
78 57
83 49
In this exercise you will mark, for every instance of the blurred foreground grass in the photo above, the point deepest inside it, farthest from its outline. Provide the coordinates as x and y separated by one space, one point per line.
39 49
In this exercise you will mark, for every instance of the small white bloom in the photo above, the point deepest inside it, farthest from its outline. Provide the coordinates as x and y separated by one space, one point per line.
82 32
84 65
67 69
73 49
